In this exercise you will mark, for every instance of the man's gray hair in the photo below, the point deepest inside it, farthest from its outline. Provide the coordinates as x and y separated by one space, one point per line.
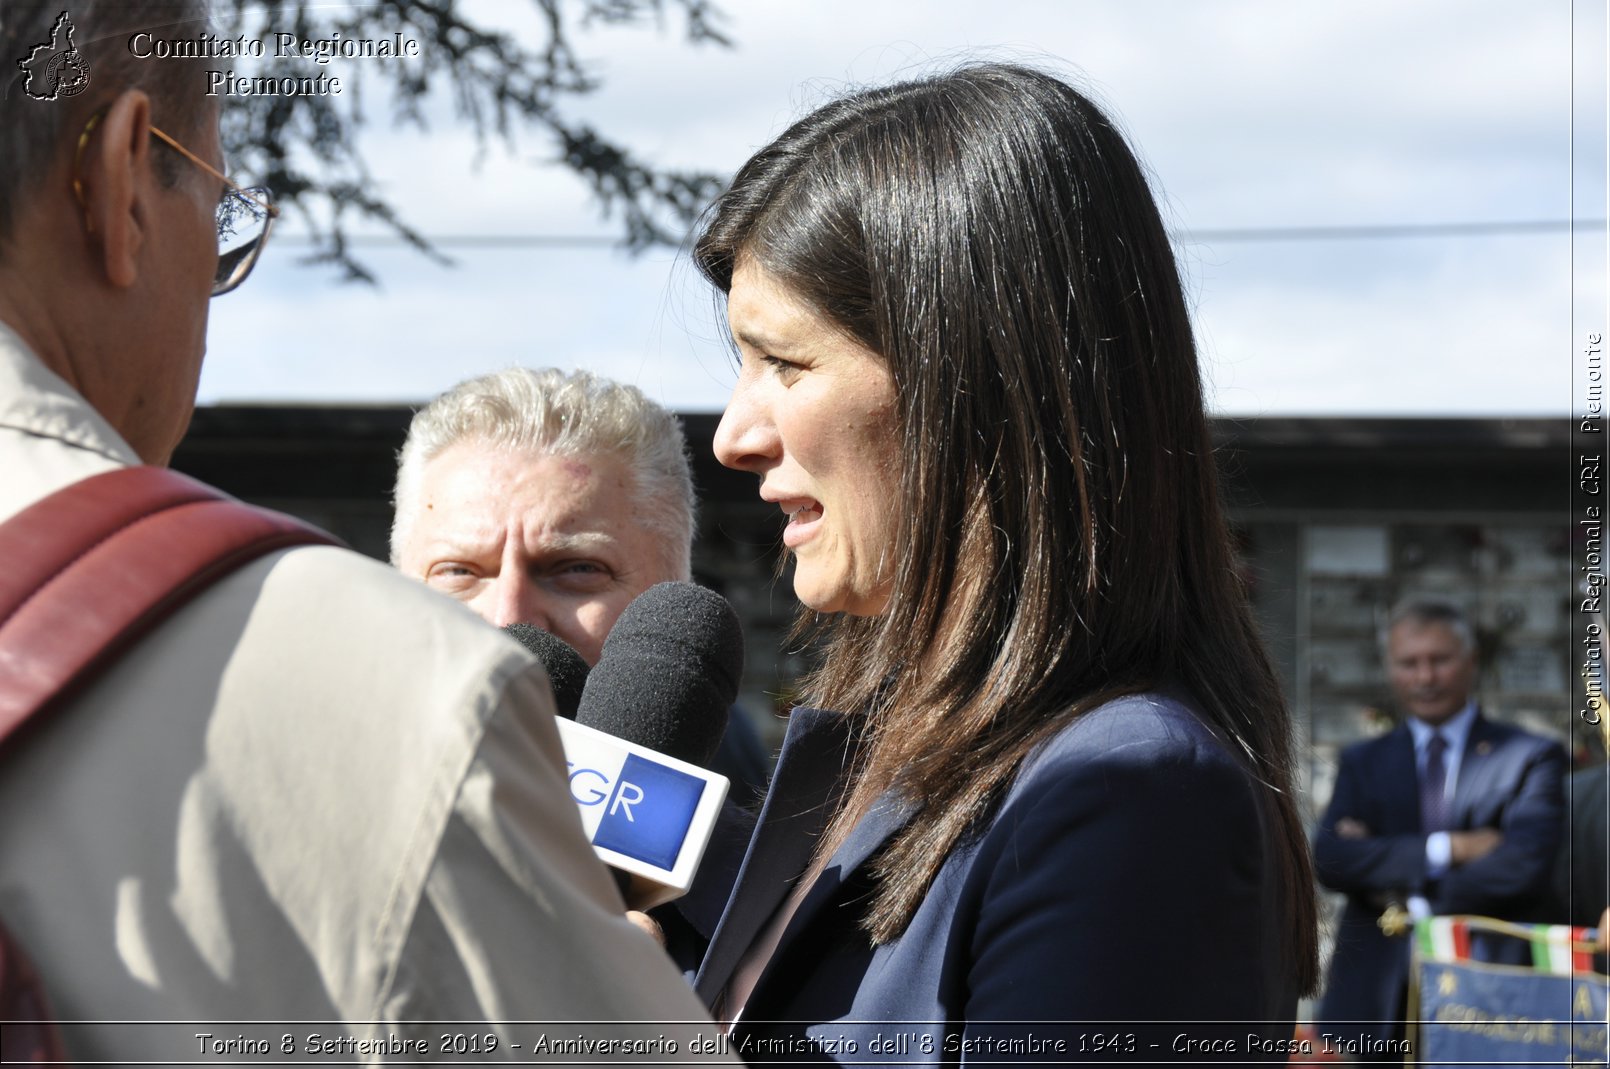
1425 609
549 411
32 131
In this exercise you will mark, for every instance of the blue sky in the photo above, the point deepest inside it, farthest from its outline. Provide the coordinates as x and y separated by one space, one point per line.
1252 114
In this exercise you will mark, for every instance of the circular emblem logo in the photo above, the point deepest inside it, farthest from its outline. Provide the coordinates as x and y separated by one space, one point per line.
68 74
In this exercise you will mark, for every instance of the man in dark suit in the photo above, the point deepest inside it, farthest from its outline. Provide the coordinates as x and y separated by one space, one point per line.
1450 813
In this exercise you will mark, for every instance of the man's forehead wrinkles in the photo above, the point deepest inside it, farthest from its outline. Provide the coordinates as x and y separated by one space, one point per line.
537 537
561 542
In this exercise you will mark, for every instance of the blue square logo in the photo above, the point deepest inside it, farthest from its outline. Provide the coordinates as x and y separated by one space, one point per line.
649 812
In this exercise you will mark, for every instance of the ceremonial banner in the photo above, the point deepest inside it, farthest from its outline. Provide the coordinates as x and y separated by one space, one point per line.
1475 1014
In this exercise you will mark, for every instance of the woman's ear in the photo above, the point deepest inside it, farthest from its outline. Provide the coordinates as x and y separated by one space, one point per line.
115 177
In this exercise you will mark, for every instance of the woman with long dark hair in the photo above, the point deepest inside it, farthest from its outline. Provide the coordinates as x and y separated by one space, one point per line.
1055 783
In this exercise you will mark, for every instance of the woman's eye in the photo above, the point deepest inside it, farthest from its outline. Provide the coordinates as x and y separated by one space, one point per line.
780 366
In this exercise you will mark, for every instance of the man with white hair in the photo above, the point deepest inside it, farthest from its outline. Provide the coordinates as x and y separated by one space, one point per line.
544 498
552 499
314 792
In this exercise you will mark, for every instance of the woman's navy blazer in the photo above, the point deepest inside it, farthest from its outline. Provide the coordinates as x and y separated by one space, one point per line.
1122 900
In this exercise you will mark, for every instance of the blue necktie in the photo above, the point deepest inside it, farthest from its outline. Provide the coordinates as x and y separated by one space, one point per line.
1433 787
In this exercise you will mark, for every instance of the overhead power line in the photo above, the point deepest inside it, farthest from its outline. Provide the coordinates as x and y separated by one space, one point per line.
472 241
1382 232
1389 231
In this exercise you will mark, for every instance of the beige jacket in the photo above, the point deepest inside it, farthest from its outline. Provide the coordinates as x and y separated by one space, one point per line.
320 793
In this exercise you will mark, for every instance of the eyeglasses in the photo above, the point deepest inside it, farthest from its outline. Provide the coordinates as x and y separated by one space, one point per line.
245 216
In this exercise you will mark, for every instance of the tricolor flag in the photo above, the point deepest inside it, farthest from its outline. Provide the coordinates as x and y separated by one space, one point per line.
1555 949
1443 938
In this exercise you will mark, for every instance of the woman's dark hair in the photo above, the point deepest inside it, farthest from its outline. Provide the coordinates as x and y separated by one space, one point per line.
1060 539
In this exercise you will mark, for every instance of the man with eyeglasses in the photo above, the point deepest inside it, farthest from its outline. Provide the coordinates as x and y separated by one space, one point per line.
320 798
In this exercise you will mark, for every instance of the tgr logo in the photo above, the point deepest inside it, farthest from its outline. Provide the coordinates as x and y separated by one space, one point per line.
589 786
646 809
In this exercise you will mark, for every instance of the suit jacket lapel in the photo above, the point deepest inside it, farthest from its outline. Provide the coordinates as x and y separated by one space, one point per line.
870 833
1472 769
888 816
1402 786
803 792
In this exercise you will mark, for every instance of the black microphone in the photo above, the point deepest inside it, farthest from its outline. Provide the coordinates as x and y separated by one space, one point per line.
668 673
567 672
652 714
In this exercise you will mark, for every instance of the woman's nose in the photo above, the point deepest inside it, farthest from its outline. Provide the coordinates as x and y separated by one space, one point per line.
746 438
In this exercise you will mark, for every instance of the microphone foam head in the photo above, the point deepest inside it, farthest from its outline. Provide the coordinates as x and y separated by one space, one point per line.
669 673
566 670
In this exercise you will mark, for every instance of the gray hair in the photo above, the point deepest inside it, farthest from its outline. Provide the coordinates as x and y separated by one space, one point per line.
31 131
550 411
1427 609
